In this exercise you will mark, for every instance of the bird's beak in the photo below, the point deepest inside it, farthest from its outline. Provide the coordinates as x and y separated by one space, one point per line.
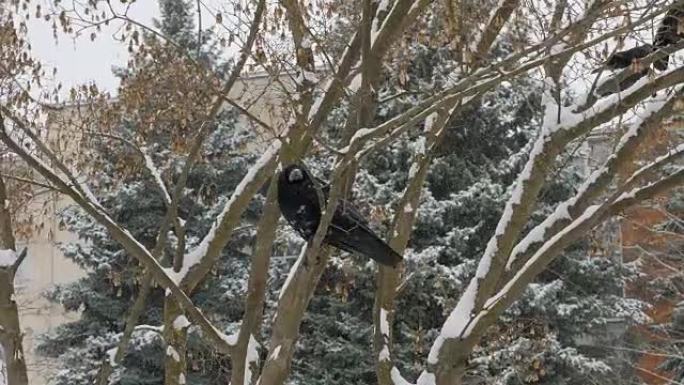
295 175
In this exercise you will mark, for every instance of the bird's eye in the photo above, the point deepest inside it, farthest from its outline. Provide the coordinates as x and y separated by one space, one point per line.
296 175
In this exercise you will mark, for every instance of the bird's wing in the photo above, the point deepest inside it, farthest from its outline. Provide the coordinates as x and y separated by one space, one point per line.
347 209
344 207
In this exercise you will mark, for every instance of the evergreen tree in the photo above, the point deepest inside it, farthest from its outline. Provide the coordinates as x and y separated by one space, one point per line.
468 184
540 338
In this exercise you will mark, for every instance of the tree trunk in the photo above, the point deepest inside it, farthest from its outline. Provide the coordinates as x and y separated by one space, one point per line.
12 352
175 336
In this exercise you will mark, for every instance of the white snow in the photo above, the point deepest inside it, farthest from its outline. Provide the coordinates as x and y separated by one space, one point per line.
384 354
628 194
537 234
457 321
170 351
229 339
397 379
376 27
251 359
111 353
181 379
413 170
360 133
586 215
516 197
155 173
3 368
275 354
90 196
316 106
430 120
382 8
181 322
426 378
195 255
7 257
475 40
293 271
384 323
408 208
144 327
306 42
355 84
675 151
420 145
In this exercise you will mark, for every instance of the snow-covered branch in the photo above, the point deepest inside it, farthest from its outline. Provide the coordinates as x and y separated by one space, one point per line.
598 181
561 125
156 175
122 236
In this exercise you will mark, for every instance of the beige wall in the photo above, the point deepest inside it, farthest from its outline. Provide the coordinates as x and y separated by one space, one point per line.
44 267
264 96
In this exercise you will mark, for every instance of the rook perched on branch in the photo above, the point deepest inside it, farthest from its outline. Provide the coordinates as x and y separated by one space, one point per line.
301 198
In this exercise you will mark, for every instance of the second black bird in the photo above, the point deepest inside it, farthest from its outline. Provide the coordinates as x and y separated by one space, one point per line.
301 197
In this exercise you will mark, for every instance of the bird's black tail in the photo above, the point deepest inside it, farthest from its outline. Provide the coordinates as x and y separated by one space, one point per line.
363 241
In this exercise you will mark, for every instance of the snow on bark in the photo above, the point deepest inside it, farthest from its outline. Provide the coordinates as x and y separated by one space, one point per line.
460 316
586 215
181 322
384 323
194 256
358 135
7 257
111 354
383 7
492 301
251 359
475 40
155 173
181 378
384 354
318 100
457 321
426 378
397 379
171 352
355 84
675 152
275 354
230 339
293 271
537 234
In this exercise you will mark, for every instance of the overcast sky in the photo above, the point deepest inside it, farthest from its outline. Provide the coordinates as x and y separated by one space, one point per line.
80 60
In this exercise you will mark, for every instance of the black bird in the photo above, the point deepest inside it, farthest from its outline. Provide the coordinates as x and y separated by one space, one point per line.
301 196
624 59
670 31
